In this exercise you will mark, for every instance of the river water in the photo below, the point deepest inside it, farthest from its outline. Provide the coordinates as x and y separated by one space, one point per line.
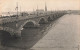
64 36
61 34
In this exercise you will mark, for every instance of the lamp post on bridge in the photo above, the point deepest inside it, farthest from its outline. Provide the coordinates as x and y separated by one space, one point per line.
45 8
17 14
37 10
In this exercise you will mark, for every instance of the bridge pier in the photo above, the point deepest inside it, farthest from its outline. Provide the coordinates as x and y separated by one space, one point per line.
37 25
18 33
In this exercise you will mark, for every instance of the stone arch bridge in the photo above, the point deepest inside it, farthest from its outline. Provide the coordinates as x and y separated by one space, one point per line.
14 25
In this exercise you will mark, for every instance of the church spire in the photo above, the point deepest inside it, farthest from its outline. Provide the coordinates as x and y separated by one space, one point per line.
45 7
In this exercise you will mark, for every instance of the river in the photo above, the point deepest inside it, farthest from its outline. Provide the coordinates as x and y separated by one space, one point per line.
64 36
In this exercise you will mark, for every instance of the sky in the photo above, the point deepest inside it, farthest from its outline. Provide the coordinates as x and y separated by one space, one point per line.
29 5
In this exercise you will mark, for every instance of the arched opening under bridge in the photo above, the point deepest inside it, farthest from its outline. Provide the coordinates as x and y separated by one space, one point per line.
42 21
5 37
49 19
29 25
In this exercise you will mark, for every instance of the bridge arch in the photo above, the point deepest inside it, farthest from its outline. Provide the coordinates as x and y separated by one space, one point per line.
29 23
50 18
4 37
7 29
42 20
4 34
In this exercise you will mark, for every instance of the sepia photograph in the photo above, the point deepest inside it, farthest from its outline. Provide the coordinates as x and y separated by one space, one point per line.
39 24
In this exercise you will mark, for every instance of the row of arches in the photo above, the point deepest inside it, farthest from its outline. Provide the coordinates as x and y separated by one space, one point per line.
31 24
44 20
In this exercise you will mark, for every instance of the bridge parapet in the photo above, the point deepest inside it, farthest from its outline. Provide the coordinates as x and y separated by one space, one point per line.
6 20
11 31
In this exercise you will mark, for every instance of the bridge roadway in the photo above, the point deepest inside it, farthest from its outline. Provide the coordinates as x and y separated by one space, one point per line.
14 25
